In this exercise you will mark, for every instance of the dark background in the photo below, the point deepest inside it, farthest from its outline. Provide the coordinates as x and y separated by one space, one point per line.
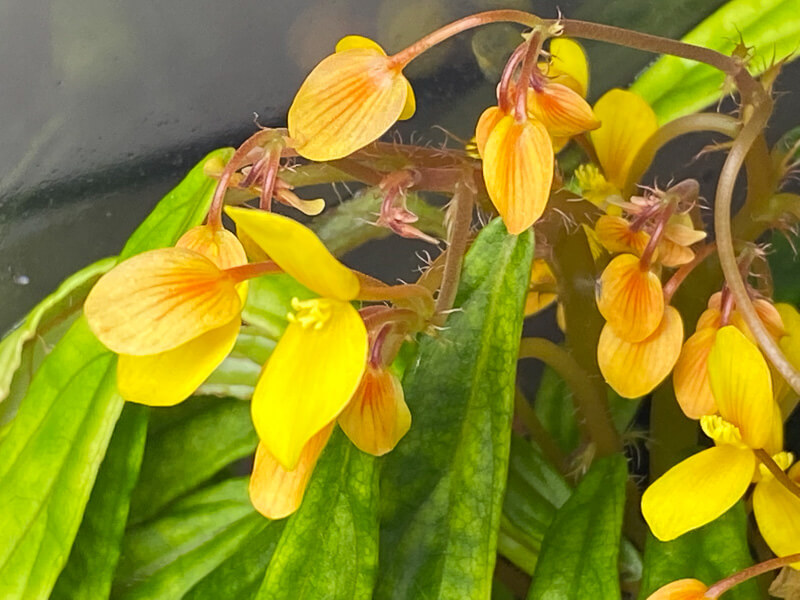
106 104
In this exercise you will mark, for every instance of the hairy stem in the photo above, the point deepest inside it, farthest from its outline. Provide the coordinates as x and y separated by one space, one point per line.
719 588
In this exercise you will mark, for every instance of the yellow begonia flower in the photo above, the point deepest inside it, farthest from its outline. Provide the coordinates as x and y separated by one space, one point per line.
349 100
630 298
627 123
317 364
275 492
377 417
568 65
541 275
616 235
679 234
690 376
518 164
683 589
172 314
561 110
790 345
777 510
634 369
704 486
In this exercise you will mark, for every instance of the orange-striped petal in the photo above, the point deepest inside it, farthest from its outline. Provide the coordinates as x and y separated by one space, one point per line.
690 376
630 298
562 111
697 490
683 589
218 245
158 300
711 317
377 417
568 65
275 492
349 100
777 513
170 377
627 122
298 251
616 235
518 164
634 369
310 376
486 123
741 384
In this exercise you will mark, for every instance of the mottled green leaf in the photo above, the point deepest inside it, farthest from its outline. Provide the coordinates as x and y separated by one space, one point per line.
581 549
329 547
164 558
675 86
93 559
186 446
784 264
442 487
709 554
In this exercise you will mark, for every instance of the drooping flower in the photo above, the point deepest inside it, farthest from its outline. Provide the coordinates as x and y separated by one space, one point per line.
349 100
318 363
172 315
704 486
777 510
616 235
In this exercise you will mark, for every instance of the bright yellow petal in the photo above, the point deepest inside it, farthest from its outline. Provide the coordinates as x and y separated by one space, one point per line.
377 416
159 300
627 122
410 107
518 164
349 100
310 377
352 42
697 490
568 65
683 589
630 298
562 111
541 275
218 245
777 513
170 377
634 369
711 317
486 124
298 251
741 384
275 492
775 443
790 344
690 377
616 235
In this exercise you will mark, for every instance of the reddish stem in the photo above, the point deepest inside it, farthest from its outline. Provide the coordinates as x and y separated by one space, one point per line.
719 588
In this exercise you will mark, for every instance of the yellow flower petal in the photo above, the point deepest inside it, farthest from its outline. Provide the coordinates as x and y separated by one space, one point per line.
275 492
627 122
219 246
377 417
410 107
518 166
697 490
680 229
486 123
683 589
616 235
351 42
740 381
568 65
634 369
562 111
630 298
790 344
310 376
690 376
775 443
536 300
159 300
777 513
298 251
711 317
349 100
671 254
170 377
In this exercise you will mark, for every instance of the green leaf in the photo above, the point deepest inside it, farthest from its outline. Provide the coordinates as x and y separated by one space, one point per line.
442 487
329 547
181 209
675 87
165 558
191 442
93 559
709 554
19 353
580 550
784 265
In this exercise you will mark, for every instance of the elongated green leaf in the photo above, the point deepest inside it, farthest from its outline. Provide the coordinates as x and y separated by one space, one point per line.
329 548
49 459
442 487
94 555
18 353
676 87
580 550
200 437
709 554
165 558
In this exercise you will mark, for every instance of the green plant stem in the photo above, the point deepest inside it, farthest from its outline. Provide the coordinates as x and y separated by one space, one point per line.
463 203
540 435
591 406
